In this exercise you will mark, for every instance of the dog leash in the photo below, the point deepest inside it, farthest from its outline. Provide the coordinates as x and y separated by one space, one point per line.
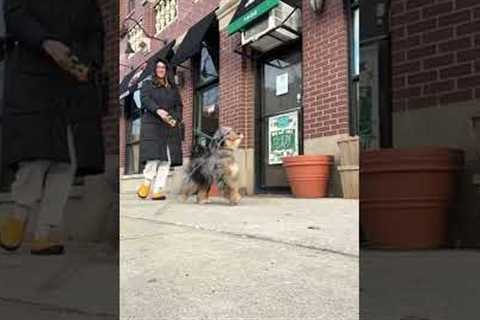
216 147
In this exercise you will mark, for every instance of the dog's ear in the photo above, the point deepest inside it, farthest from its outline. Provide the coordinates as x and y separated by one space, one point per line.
219 137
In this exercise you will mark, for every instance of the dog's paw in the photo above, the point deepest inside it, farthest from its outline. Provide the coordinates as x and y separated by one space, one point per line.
183 198
235 202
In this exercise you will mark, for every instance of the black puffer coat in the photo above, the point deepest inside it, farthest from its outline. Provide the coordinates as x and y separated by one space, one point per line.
155 133
41 99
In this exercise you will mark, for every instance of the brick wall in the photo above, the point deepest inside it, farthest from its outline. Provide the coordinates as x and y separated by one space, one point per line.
109 10
325 70
237 89
435 52
189 13
187 99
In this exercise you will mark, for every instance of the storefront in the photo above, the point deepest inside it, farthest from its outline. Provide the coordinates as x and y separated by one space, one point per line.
280 72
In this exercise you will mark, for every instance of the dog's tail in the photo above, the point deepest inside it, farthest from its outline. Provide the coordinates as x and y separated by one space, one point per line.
197 173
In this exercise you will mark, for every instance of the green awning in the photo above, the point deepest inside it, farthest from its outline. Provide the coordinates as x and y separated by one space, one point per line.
248 11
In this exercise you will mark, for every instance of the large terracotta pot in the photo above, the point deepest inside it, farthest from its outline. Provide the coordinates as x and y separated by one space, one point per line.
214 192
406 195
308 176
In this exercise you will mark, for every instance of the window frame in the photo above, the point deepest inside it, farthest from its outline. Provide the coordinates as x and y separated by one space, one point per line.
354 66
200 87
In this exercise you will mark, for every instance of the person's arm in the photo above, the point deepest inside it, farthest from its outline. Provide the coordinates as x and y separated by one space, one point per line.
146 97
24 27
96 35
177 111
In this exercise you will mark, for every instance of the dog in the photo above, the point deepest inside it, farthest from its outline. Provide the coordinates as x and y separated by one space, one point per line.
214 163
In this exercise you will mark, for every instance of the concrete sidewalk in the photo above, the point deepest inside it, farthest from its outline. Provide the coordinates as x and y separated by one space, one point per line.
80 285
420 285
269 258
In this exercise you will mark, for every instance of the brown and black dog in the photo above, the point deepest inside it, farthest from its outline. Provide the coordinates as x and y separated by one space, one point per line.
214 164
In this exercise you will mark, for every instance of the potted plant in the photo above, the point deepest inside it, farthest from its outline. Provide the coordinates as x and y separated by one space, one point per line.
308 175
407 195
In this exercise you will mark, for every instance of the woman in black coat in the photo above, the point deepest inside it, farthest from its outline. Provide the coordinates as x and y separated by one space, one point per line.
52 112
161 133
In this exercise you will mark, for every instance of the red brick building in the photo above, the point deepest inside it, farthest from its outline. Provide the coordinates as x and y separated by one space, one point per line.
309 78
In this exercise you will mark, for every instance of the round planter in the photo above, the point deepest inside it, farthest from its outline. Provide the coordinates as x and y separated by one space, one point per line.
308 176
214 192
406 196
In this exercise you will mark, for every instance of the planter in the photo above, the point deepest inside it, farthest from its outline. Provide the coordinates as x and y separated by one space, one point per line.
349 166
406 196
214 192
308 176
349 176
349 151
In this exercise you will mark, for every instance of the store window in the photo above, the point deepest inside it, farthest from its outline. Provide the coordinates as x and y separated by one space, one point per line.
133 116
355 66
165 13
207 93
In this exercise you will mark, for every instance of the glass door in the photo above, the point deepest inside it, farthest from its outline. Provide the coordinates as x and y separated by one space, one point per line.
280 117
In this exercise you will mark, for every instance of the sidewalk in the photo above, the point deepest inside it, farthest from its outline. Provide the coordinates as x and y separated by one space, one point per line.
268 258
77 285
420 285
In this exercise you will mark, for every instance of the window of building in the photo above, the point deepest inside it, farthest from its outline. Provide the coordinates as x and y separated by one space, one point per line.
355 66
133 119
165 13
207 94
137 40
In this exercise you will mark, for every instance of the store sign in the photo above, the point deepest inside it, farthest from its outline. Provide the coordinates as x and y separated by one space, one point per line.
251 15
282 137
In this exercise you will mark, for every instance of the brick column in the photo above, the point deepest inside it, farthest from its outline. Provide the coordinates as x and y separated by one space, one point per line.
237 89
325 75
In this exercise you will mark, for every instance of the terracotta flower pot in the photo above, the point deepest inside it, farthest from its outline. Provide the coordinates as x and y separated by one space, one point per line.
308 175
406 196
214 192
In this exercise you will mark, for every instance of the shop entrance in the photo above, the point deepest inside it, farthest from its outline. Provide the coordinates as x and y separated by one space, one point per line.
278 118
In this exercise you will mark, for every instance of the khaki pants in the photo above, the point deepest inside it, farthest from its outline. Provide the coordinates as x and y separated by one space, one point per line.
44 185
156 173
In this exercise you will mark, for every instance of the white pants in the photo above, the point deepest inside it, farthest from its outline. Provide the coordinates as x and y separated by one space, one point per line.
44 185
156 173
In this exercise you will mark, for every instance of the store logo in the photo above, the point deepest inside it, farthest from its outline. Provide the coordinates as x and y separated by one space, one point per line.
251 15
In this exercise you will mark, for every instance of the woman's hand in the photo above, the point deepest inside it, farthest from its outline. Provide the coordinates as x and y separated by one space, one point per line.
162 114
62 55
166 117
59 52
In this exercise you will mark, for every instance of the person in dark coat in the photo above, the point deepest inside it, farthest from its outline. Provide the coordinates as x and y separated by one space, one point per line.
161 133
52 113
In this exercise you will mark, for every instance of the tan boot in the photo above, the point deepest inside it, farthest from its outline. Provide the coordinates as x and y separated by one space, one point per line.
52 244
12 233
143 191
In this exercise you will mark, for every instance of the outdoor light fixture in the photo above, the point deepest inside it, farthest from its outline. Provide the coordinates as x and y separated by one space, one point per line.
317 5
